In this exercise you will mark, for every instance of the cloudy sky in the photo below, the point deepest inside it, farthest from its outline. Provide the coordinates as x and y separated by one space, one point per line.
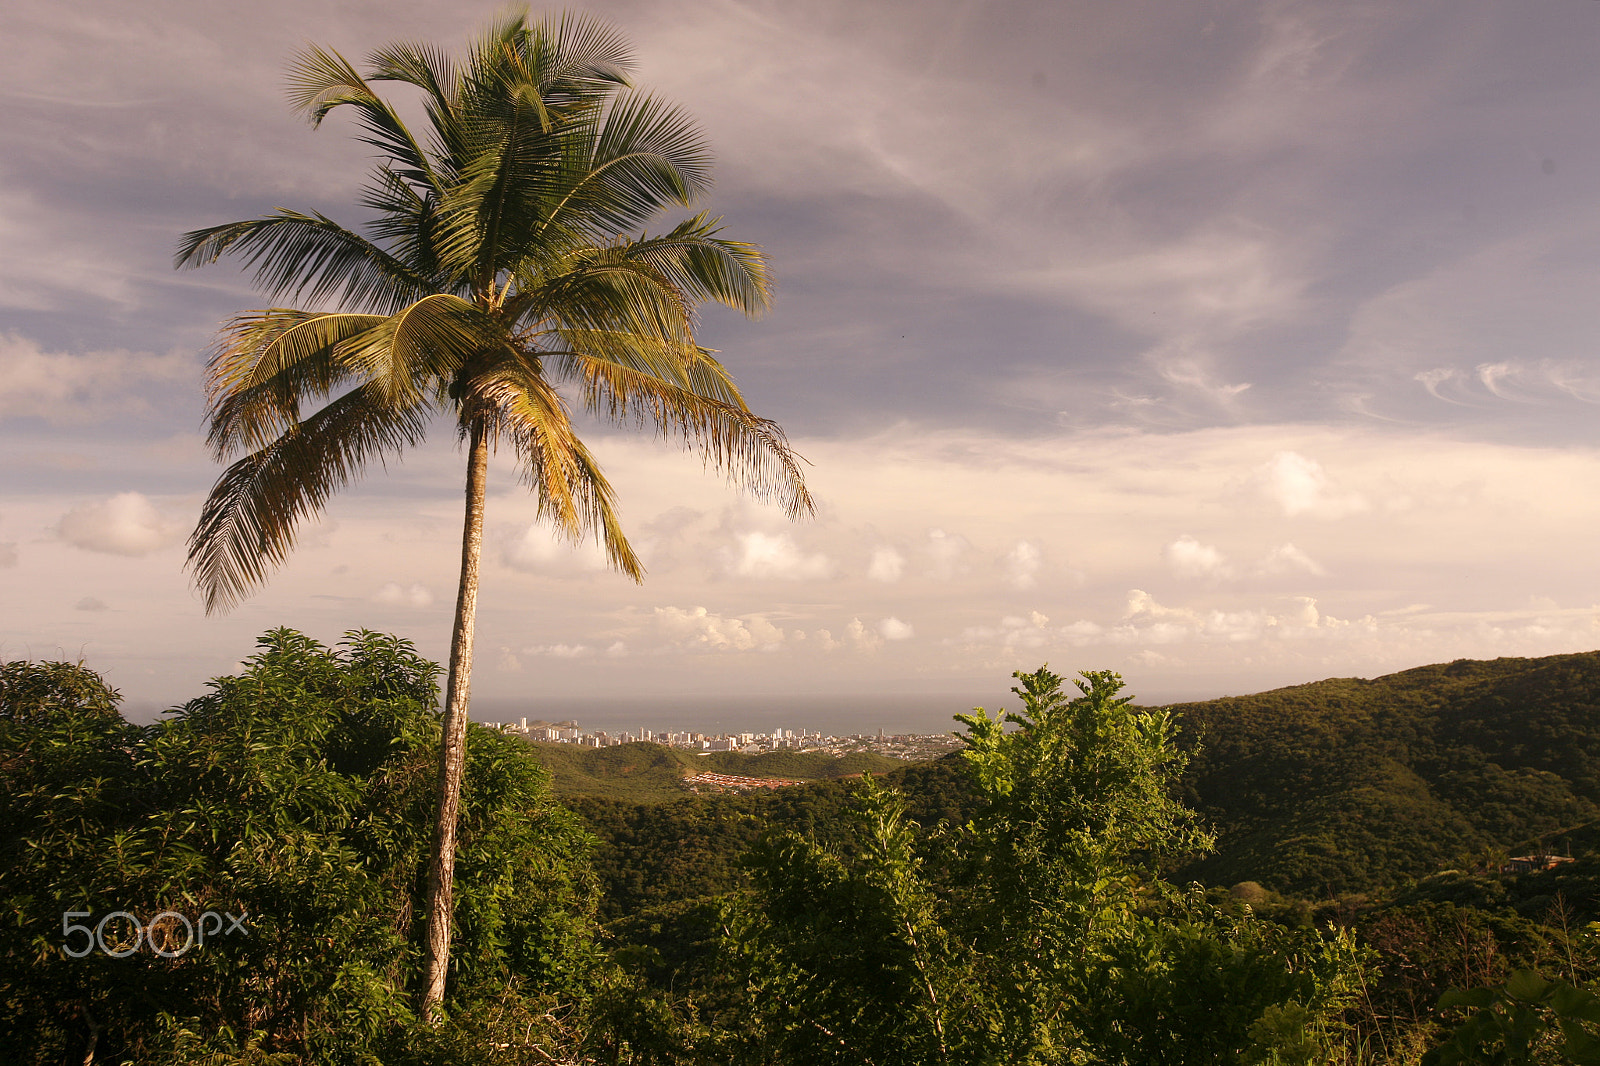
1225 344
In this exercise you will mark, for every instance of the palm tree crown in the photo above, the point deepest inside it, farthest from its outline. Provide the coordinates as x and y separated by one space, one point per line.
498 276
493 275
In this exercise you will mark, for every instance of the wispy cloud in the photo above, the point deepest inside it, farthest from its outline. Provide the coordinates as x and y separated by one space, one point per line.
63 387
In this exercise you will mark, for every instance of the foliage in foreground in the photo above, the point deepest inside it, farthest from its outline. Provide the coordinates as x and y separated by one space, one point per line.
1036 933
298 792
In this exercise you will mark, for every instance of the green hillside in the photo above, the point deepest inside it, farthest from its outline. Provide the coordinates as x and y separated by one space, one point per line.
1347 784
652 773
1339 786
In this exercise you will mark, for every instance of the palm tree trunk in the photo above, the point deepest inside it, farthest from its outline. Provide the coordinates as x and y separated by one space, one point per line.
453 746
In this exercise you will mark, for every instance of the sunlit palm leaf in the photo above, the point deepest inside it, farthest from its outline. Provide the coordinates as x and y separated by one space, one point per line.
575 49
702 267
573 493
427 342
610 293
753 452
407 223
247 525
437 75
266 365
644 156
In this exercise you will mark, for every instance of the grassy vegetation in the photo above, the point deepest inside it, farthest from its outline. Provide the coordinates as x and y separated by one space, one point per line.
652 773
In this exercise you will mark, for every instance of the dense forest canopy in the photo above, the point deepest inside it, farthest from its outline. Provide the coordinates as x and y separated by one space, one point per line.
1346 784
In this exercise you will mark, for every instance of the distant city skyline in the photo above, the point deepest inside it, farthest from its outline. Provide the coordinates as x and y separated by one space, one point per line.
1227 346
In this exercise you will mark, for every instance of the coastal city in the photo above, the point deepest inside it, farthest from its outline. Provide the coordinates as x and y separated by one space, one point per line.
891 745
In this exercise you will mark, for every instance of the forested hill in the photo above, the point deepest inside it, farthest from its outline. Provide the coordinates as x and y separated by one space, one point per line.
1349 784
1339 786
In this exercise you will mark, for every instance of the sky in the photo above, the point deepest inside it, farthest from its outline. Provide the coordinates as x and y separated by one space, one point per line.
1228 345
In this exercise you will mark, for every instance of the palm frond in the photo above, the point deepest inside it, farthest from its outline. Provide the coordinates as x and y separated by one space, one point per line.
703 267
248 523
418 63
425 343
569 57
579 49
320 81
509 160
265 365
406 221
708 416
709 378
310 257
606 291
665 360
645 155
572 491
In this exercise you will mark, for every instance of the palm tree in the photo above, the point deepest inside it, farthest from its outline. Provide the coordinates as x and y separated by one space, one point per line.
495 277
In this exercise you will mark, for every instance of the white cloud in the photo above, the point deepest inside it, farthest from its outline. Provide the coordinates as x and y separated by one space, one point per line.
537 551
1493 374
697 629
887 565
1142 604
1433 379
769 556
1300 486
823 638
1017 633
126 524
1082 633
1149 622
1188 558
1305 613
1209 282
894 629
863 638
663 540
560 651
1287 559
1190 374
1021 564
90 603
1090 495
414 596
1539 382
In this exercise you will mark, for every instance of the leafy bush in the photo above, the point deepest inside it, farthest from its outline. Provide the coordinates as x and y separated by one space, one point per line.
1038 931
298 795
